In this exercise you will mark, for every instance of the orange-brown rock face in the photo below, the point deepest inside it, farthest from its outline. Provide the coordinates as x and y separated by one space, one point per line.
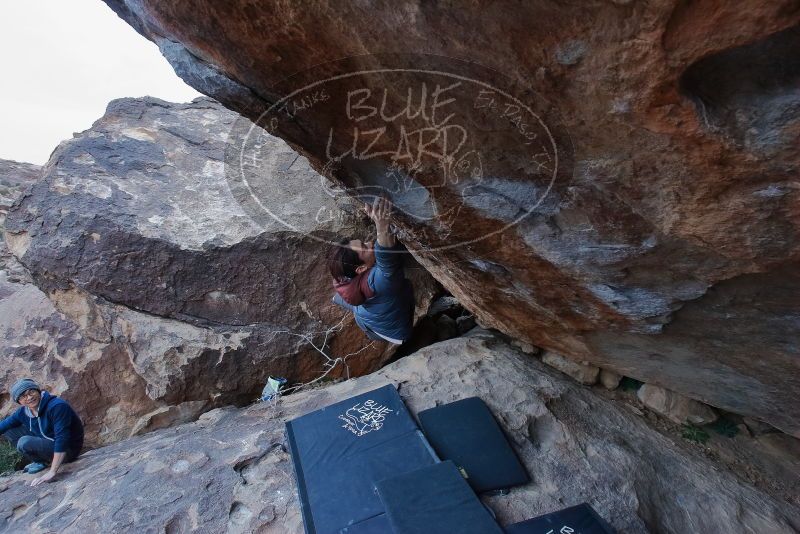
615 181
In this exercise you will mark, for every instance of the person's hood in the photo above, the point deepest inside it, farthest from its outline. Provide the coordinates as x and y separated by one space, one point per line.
42 404
355 291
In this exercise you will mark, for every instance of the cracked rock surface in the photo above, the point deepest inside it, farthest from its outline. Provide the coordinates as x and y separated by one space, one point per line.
229 471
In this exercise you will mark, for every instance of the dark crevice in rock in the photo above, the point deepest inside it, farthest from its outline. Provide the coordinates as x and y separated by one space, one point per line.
445 319
750 93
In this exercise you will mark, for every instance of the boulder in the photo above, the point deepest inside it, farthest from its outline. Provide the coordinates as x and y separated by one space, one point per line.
674 406
610 379
15 177
157 296
605 180
86 360
230 471
580 371
73 345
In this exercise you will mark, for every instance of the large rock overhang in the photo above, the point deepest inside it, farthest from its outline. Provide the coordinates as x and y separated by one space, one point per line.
666 244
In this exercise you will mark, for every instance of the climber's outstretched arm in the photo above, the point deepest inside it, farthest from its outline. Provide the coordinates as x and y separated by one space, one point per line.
389 264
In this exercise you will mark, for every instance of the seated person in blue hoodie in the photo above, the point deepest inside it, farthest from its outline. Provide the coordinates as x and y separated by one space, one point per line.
44 429
370 282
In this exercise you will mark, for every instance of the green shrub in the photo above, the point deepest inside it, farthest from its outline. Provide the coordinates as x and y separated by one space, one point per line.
693 433
9 457
725 427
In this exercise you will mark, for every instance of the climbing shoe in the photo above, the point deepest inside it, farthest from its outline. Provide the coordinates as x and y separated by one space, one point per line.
34 467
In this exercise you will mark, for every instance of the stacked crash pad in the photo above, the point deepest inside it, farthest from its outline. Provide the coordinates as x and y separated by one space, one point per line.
364 467
465 432
434 499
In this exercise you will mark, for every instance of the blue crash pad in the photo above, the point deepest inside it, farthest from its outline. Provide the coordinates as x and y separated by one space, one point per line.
340 451
434 500
580 519
465 432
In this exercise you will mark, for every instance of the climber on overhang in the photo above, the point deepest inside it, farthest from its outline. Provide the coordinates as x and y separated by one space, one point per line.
45 429
369 280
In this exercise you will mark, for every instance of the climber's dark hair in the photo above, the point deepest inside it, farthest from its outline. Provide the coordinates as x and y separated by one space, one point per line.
342 261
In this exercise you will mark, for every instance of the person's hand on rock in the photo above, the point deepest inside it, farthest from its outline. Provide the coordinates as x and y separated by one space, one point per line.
47 477
380 212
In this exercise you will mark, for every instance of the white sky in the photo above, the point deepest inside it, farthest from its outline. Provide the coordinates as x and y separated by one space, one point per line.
62 62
